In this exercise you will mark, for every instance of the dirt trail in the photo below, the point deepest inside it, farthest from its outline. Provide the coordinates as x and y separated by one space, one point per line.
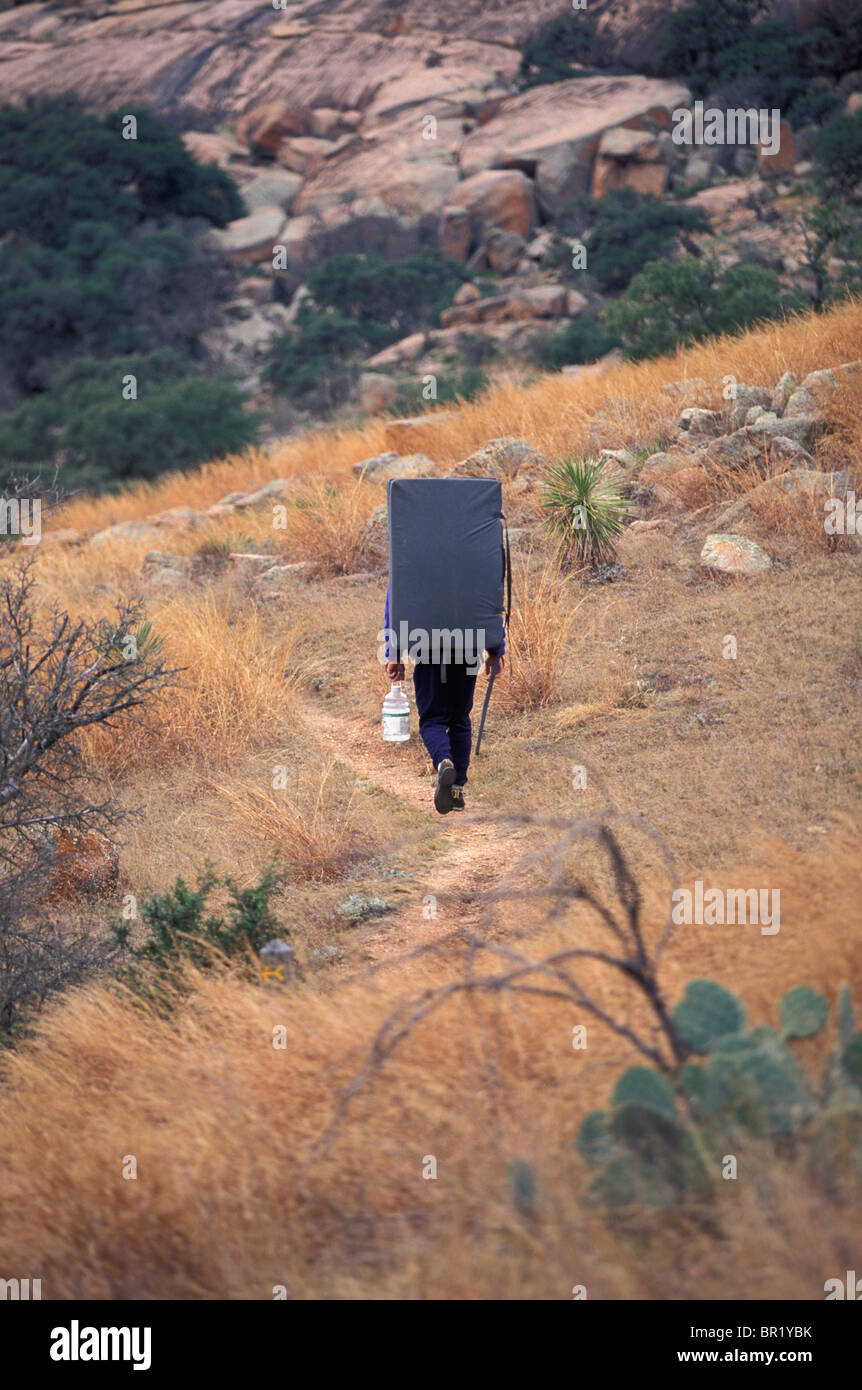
476 853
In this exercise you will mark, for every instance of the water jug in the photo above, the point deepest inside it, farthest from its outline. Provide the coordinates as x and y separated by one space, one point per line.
396 716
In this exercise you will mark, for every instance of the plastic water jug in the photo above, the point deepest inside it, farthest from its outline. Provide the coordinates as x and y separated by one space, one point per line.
396 716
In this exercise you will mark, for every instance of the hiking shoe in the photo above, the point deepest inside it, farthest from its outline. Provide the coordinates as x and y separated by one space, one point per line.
443 791
457 798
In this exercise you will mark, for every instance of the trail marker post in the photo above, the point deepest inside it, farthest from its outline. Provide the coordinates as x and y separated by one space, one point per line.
277 962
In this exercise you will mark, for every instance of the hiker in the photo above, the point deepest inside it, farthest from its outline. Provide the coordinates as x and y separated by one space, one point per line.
444 698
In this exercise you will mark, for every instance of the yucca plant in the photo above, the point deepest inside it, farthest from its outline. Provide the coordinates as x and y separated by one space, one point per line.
132 644
585 509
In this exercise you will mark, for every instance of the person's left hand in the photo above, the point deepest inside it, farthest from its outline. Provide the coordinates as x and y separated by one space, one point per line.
491 661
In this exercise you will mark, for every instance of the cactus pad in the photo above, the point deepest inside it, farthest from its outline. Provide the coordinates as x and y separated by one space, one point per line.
644 1086
706 1013
803 1012
522 1185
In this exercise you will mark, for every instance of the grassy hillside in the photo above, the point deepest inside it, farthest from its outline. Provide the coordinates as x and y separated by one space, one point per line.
557 414
301 1164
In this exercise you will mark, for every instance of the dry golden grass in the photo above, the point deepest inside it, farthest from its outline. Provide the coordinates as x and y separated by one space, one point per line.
86 581
797 520
839 447
540 636
313 823
324 526
557 414
235 1195
701 486
323 452
234 691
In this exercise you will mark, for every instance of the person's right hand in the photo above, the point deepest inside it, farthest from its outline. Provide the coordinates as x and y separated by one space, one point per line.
395 670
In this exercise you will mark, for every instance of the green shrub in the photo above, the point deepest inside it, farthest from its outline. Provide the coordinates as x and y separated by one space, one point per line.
584 510
630 230
581 340
100 258
832 230
317 360
356 305
458 383
62 166
179 929
552 52
735 53
698 40
838 156
387 299
476 349
673 303
106 294
101 440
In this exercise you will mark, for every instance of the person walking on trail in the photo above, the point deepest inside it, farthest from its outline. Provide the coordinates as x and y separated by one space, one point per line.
444 699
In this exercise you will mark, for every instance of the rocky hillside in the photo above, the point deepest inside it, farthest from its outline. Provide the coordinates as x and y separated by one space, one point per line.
380 128
221 59
695 695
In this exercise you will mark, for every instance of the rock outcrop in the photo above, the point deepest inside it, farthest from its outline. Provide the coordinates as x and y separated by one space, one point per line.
338 118
731 554
553 132
85 863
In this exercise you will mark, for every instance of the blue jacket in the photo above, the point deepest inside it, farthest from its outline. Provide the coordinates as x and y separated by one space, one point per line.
492 651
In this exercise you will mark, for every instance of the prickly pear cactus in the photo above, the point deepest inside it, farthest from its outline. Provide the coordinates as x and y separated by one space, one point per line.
643 1086
803 1012
657 1144
758 1088
595 1143
706 1013
835 1152
653 1161
851 1060
618 1183
845 1015
522 1185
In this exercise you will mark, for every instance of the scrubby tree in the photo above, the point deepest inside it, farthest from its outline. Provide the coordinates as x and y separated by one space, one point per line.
832 228
387 299
670 304
104 295
557 49
832 234
101 257
838 157
698 37
61 166
84 426
59 676
739 53
455 383
630 230
356 304
583 339
316 360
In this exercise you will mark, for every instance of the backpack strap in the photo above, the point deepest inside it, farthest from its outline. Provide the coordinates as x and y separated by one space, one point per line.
508 566
507 562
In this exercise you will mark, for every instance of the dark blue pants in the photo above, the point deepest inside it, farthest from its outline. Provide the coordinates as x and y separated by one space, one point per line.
444 698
